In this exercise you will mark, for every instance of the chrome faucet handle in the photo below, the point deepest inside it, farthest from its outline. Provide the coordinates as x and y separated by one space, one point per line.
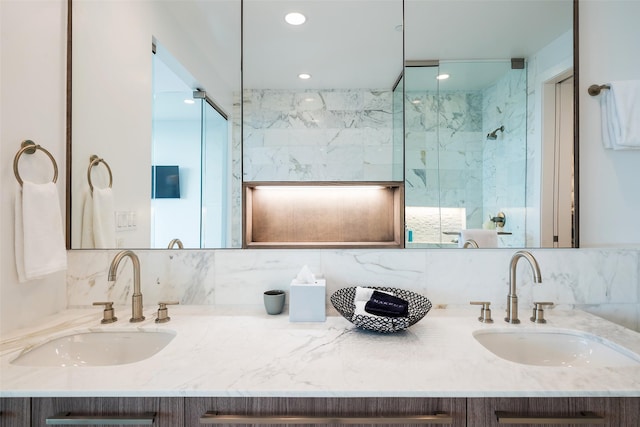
538 312
108 314
485 311
163 312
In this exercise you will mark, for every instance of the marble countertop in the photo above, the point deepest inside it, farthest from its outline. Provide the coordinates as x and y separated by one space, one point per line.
221 352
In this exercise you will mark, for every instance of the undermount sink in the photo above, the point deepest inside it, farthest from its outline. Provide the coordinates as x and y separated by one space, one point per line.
561 348
96 349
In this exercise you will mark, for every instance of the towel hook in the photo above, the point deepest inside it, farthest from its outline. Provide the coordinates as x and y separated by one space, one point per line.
30 147
594 90
94 160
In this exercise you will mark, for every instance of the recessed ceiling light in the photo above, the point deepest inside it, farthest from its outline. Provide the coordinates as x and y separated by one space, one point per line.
442 76
295 18
189 101
304 76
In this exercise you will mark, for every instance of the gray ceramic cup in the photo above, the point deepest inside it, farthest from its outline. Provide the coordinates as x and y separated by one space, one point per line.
274 301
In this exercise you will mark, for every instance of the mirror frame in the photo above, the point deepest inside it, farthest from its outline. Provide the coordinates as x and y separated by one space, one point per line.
576 120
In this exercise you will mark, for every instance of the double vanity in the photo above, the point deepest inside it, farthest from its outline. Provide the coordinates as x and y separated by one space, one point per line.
217 364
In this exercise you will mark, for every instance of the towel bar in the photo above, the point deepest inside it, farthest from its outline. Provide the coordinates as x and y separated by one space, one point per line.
30 147
594 90
94 160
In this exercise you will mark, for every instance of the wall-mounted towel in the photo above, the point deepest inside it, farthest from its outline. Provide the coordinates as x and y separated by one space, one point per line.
39 237
98 220
620 109
484 238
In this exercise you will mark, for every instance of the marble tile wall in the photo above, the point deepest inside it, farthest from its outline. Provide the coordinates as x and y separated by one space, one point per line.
318 135
603 281
504 160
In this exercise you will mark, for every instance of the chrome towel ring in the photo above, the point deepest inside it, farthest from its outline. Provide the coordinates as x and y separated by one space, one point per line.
93 161
30 147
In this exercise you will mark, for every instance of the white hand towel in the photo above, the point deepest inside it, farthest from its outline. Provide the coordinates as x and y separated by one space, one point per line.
104 223
86 231
620 109
39 237
484 238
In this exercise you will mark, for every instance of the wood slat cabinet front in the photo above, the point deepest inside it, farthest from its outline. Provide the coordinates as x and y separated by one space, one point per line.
379 409
169 411
557 411
15 412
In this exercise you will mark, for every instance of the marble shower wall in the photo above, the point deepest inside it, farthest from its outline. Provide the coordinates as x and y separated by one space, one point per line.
605 282
451 164
504 160
318 135
443 157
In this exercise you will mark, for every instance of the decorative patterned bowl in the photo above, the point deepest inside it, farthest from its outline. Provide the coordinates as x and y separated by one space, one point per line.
419 306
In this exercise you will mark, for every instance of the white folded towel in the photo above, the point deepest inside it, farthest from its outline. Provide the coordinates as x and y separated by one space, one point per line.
620 109
484 238
104 222
86 230
39 237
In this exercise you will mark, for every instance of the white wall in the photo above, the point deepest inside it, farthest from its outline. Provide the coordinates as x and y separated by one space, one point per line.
609 195
33 93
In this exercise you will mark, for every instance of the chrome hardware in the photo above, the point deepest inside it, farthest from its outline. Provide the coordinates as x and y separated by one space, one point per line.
499 220
212 417
108 314
594 90
175 242
470 243
67 418
136 299
512 298
163 312
485 311
30 147
584 417
538 312
93 161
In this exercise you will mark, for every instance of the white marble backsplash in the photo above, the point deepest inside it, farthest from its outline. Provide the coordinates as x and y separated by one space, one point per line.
603 281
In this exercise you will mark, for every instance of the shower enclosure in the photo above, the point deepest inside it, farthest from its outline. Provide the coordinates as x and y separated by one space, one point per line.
465 128
190 139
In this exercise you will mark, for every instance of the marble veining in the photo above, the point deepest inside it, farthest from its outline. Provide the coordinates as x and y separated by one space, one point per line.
603 281
245 352
319 135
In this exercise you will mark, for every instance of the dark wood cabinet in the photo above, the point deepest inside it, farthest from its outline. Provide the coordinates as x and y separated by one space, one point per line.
15 412
379 411
609 412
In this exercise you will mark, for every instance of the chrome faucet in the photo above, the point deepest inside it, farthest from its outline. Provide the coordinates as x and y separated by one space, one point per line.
512 298
470 244
175 242
136 299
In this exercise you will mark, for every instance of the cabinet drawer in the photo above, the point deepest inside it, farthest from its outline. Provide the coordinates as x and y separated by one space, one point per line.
15 412
610 412
325 411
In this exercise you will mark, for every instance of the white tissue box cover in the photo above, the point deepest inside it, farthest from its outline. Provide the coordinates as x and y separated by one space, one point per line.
307 301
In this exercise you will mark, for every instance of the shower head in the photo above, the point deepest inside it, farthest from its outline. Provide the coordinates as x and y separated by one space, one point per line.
494 135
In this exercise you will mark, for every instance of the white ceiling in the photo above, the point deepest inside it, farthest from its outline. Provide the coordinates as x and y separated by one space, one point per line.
357 44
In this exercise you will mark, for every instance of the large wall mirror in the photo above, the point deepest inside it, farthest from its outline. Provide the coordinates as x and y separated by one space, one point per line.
166 128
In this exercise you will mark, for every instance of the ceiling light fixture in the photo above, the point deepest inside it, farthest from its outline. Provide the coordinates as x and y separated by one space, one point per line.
295 18
442 76
304 76
189 101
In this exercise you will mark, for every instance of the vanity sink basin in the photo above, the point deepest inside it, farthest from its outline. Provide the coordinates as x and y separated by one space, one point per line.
561 348
96 349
